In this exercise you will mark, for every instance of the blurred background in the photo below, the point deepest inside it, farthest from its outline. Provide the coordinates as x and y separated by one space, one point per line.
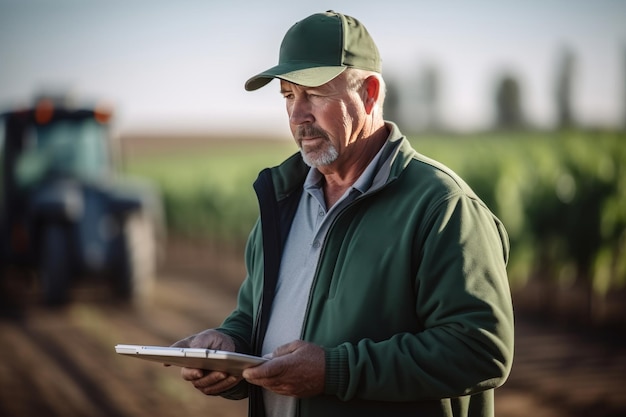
183 65
525 100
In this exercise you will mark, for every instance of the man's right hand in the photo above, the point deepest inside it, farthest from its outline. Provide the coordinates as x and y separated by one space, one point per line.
208 382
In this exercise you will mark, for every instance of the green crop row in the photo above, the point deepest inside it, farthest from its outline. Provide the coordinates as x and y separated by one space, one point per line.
207 192
562 196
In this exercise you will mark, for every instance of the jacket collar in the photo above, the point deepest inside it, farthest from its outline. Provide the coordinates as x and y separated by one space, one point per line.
396 154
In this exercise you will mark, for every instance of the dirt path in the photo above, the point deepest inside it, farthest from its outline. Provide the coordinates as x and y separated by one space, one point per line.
62 362
558 373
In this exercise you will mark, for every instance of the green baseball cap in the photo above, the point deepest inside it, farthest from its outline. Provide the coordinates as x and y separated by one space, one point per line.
317 49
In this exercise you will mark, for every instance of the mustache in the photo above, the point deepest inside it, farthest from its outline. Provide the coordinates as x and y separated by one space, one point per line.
307 131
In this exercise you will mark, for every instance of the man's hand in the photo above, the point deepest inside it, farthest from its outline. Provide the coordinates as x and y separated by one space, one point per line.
208 382
297 369
207 339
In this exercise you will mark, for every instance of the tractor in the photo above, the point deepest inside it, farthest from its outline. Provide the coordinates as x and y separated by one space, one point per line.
66 212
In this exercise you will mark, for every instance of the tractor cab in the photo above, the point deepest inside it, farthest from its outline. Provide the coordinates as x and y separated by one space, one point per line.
65 210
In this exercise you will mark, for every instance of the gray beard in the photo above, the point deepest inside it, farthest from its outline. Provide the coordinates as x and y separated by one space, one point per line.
318 159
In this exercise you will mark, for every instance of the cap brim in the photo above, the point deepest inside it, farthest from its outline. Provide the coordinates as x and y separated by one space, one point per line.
308 77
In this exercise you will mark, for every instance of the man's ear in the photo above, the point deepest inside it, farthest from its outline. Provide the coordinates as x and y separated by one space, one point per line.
372 91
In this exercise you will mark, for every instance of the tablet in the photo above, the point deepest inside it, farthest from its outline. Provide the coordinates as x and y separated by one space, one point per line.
208 359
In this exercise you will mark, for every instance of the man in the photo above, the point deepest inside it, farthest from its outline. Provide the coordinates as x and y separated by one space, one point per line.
376 277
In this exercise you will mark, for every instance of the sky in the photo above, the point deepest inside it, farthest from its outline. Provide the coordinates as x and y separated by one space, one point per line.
172 65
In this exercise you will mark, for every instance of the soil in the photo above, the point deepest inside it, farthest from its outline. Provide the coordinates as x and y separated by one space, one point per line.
62 362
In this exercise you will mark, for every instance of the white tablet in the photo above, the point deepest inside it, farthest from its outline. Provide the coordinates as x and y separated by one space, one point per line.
209 359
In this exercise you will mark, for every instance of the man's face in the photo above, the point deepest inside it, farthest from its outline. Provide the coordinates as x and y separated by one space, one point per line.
324 120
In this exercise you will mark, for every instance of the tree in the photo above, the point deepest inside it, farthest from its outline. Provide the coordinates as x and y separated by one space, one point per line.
624 90
509 114
430 97
392 100
564 89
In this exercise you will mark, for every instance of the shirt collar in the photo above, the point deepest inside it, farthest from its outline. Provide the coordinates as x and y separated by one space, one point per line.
362 184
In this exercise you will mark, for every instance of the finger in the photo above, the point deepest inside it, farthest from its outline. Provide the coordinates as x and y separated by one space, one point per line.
215 383
269 369
191 374
213 378
213 340
287 348
183 343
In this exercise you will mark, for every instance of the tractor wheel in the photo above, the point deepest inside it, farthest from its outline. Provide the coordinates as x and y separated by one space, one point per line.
134 279
54 265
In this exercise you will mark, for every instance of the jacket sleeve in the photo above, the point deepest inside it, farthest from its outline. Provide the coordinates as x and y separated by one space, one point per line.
239 323
462 299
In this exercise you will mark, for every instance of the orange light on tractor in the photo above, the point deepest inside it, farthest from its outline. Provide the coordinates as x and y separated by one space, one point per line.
44 111
103 113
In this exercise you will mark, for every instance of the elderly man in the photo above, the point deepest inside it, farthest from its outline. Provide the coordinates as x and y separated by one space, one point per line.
376 278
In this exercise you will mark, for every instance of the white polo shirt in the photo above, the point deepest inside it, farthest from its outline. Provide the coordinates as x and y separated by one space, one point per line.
297 269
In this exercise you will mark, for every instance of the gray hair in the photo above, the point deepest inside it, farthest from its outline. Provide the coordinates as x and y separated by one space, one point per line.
355 78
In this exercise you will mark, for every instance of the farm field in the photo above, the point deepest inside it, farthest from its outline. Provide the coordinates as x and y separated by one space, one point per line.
561 195
62 362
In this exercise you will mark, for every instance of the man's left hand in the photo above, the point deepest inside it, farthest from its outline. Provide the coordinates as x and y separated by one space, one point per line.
297 369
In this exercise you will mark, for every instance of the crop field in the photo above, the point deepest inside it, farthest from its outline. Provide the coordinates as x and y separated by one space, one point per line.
61 362
206 184
562 196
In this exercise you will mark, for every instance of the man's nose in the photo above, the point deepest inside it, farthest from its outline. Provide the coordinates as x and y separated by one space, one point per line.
301 111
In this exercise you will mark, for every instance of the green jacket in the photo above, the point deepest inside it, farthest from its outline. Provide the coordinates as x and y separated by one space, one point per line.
410 299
